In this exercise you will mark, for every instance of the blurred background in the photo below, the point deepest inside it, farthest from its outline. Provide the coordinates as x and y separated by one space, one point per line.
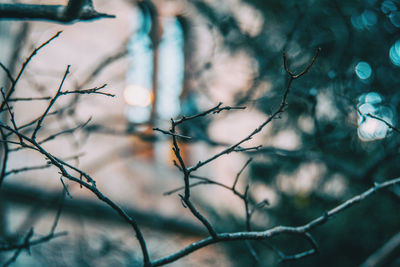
167 58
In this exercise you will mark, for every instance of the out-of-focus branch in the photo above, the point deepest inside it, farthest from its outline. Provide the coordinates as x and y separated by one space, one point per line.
25 169
27 243
105 62
74 11
385 255
92 209
67 131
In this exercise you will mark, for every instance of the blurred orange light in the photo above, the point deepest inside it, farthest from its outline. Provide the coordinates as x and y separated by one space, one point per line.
136 95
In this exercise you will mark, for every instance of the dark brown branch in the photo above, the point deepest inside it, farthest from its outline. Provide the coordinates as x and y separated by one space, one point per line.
76 10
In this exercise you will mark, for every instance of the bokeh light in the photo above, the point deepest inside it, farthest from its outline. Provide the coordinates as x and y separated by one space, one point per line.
394 53
363 70
395 19
388 6
370 129
369 18
136 95
365 20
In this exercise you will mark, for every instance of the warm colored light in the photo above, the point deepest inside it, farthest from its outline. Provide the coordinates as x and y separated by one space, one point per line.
136 95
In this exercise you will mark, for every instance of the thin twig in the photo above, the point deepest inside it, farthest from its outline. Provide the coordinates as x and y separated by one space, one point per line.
240 172
94 90
170 133
25 169
19 99
214 110
7 71
21 71
52 101
68 131
384 121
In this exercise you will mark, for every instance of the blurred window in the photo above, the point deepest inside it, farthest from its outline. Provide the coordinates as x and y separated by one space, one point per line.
156 70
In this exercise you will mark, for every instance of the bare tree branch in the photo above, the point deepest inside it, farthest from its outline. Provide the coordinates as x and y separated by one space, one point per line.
385 255
76 10
51 103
